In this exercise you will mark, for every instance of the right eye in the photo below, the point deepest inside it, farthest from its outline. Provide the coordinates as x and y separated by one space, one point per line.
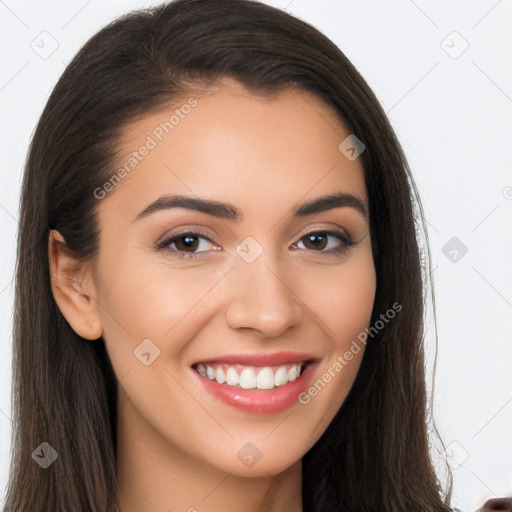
186 244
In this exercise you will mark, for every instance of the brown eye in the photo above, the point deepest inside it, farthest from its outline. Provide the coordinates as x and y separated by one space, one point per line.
326 241
315 241
187 243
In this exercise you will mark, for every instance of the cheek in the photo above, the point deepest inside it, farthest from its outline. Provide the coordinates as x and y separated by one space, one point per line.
350 309
343 299
153 300
344 307
150 298
348 313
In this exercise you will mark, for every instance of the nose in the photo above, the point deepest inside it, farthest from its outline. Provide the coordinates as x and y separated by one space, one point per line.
261 299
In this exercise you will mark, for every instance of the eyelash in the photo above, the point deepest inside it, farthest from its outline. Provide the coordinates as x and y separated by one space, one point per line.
345 239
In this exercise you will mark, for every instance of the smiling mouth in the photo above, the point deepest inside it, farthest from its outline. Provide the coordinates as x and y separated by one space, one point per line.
251 377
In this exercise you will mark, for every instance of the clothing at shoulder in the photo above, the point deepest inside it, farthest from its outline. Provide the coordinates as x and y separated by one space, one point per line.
497 505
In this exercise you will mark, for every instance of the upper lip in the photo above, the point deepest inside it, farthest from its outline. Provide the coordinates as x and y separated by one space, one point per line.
260 359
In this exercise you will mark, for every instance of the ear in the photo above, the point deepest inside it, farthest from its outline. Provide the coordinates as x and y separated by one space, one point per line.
74 289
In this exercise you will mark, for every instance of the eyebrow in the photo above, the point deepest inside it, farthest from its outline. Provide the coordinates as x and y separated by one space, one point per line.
230 212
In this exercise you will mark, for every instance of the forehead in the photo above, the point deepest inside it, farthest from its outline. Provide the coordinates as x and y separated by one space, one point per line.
229 142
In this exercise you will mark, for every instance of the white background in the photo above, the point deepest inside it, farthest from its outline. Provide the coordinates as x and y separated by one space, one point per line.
452 112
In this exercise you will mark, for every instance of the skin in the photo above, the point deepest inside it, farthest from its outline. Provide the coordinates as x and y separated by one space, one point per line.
177 445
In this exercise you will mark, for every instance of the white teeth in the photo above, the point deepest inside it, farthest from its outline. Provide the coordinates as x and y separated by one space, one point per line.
292 373
265 378
247 379
232 377
250 377
201 370
220 376
281 376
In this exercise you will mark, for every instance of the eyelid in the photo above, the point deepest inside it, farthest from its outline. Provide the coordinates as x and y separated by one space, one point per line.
326 227
190 230
329 231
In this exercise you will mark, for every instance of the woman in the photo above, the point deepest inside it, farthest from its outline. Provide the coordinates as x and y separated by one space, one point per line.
219 299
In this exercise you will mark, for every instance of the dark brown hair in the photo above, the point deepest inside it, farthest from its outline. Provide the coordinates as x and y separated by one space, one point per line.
375 453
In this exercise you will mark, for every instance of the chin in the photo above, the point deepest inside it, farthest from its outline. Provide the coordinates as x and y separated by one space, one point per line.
245 459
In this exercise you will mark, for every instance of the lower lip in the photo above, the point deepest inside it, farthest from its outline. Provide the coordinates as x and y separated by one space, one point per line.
256 400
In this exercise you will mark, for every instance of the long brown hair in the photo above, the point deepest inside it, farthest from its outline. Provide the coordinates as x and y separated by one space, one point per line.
375 453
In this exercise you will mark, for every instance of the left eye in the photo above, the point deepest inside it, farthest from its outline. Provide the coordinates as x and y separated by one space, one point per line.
324 241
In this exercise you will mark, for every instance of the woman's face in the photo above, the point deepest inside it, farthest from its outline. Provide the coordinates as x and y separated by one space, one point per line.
248 283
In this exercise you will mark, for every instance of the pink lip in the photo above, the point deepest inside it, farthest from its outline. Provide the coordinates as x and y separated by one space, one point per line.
275 359
259 401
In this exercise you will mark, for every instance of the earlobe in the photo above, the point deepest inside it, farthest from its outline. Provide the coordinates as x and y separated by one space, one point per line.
68 276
